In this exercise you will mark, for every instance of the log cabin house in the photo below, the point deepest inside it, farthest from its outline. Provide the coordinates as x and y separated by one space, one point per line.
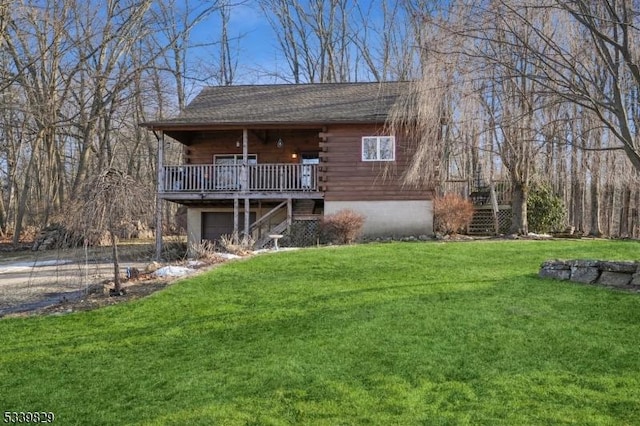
258 158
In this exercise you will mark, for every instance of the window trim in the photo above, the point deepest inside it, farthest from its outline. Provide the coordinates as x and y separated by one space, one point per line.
378 140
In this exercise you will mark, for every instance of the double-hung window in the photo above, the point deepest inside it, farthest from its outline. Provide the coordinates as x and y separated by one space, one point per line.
378 148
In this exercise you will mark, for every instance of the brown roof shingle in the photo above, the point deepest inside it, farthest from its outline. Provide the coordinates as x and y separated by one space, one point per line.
289 104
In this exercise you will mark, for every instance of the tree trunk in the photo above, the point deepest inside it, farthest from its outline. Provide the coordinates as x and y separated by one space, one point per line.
611 203
3 217
117 286
594 228
577 202
595 193
624 212
634 215
22 203
519 224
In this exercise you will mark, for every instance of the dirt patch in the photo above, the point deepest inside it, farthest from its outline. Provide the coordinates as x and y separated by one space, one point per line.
63 303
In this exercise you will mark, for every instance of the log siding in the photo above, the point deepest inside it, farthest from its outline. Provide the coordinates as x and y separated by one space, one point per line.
344 176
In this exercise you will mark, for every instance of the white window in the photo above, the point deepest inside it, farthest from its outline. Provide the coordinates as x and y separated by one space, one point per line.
378 148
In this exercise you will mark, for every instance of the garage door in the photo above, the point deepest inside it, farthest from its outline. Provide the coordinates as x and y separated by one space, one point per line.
216 224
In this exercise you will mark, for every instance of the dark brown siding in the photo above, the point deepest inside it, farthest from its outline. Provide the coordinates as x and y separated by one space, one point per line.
345 177
261 142
343 174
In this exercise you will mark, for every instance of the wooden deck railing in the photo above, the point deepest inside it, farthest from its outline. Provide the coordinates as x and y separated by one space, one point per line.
234 178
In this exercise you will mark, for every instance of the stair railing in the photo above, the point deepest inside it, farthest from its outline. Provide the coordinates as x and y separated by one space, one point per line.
263 226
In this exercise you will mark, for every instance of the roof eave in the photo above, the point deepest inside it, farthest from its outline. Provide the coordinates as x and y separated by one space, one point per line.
164 126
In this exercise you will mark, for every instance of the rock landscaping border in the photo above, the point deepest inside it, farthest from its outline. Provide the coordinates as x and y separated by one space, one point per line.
602 272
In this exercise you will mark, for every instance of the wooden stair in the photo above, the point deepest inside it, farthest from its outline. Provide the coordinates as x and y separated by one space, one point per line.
266 240
302 209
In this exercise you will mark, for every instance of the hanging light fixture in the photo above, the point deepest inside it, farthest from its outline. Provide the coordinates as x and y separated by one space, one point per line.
280 143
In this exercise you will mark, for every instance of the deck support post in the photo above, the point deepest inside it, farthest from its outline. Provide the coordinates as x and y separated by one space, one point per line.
245 180
244 170
289 211
159 212
236 207
247 217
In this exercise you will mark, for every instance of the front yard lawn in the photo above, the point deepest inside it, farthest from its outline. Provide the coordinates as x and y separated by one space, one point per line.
401 333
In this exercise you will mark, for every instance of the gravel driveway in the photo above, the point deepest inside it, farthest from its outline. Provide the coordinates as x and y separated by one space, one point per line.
35 280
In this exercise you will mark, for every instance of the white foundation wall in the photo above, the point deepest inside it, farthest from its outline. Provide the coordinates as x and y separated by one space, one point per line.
390 218
194 225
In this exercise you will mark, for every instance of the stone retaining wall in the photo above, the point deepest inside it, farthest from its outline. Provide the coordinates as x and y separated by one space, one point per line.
606 273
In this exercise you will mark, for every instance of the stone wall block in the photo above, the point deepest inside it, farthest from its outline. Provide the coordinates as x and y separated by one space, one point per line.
623 274
556 274
583 263
586 275
616 279
556 265
628 267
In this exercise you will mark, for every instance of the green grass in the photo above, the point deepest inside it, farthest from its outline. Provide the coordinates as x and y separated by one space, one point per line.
411 333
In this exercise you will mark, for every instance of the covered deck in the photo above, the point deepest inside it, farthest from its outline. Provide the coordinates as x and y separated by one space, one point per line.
220 181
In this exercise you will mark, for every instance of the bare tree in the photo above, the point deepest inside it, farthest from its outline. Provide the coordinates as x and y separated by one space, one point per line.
527 79
177 20
228 65
105 202
604 75
315 38
590 63
73 76
34 40
477 66
387 39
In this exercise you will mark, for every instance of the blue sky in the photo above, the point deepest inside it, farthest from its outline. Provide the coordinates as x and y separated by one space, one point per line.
255 43
252 41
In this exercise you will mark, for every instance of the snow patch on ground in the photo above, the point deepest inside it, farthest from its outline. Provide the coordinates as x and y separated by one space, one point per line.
539 236
173 271
229 256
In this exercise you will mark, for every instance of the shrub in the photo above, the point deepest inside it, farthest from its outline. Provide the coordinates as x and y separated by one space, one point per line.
342 227
451 214
545 210
204 250
174 251
234 245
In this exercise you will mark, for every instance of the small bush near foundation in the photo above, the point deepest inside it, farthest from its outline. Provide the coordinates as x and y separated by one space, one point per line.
342 227
452 214
174 251
204 250
235 245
